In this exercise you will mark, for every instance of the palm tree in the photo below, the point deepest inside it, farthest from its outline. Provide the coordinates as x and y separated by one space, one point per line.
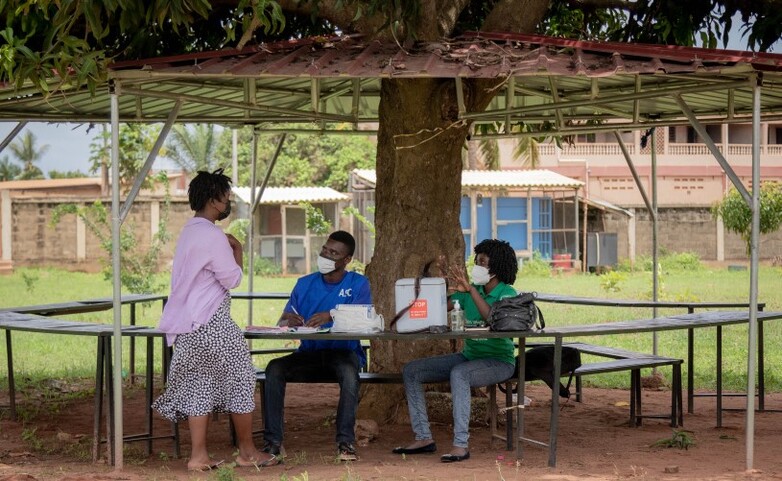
8 169
193 147
486 150
25 150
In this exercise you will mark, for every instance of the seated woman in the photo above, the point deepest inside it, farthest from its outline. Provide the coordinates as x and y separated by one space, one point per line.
482 361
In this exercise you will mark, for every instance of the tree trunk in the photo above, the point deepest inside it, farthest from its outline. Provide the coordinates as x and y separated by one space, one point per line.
419 164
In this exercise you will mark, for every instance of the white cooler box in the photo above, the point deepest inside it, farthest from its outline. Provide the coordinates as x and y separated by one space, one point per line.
430 309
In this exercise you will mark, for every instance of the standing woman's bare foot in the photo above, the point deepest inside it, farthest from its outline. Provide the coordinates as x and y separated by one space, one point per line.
200 465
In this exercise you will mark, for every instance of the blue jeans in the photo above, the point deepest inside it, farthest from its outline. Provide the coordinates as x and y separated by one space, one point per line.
327 365
463 375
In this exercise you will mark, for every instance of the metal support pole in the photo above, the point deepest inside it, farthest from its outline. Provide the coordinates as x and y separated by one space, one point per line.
655 239
753 277
116 223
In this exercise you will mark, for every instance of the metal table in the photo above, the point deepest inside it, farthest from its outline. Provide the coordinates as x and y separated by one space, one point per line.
683 321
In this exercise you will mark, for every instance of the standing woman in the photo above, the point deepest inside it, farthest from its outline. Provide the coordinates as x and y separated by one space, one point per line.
211 369
482 362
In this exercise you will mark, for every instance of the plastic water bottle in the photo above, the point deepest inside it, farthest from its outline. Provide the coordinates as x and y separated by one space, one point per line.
457 317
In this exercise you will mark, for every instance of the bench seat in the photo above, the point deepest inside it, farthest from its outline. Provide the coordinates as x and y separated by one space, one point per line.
621 360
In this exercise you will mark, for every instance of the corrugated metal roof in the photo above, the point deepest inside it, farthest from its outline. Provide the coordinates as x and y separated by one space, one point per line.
572 86
292 195
490 179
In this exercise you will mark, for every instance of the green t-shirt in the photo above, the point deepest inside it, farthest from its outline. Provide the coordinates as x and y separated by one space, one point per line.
501 349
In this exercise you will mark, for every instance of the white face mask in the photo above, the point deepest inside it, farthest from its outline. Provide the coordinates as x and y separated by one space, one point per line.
480 275
326 266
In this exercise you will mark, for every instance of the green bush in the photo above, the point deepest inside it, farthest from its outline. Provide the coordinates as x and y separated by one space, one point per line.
536 267
357 266
681 261
610 281
669 261
263 266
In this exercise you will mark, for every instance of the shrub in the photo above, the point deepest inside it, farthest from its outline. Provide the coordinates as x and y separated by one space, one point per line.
264 266
610 281
682 261
536 267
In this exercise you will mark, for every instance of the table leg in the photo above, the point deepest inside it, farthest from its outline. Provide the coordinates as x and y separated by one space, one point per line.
110 448
149 388
690 369
719 376
509 414
520 399
132 367
552 443
98 402
9 357
761 370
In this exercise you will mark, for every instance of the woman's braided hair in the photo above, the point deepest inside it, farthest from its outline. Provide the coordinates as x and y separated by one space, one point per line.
502 259
206 186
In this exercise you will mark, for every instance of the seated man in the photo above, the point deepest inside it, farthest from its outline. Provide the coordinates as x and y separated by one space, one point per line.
315 361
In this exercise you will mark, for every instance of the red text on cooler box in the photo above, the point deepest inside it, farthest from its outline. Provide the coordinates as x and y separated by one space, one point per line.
419 309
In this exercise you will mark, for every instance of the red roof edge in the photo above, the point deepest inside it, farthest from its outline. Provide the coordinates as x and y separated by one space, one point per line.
645 49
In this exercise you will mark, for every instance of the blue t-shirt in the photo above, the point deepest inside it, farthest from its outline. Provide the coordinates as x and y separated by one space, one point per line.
313 294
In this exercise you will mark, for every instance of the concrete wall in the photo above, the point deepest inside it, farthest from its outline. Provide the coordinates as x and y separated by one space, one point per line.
71 244
686 230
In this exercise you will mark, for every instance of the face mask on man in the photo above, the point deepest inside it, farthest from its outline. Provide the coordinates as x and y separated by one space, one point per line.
480 275
223 214
325 265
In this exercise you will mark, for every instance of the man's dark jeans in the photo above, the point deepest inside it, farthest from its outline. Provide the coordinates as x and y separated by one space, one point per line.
328 365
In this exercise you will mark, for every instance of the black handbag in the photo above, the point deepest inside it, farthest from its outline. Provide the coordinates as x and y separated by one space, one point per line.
539 365
517 313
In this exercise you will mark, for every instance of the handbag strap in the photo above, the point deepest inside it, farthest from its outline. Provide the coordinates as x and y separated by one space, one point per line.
424 273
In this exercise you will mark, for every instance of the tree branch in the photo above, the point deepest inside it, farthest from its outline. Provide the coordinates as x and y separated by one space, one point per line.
520 16
342 16
448 12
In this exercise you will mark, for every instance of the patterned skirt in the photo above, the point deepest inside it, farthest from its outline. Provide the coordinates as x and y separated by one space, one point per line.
211 371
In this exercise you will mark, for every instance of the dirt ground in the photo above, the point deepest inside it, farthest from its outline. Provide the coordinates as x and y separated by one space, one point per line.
595 443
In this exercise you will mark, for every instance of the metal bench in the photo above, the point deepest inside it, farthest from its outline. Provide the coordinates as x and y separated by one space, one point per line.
622 360
363 376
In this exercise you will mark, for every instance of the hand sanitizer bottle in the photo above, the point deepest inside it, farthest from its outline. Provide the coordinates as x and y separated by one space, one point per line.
457 317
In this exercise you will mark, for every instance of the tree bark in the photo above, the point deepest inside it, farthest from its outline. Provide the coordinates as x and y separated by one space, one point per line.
418 191
419 165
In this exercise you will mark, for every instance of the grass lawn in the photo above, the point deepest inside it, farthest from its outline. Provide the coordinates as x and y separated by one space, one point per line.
40 356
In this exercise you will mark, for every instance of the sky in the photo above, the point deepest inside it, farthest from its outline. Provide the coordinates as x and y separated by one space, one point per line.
69 144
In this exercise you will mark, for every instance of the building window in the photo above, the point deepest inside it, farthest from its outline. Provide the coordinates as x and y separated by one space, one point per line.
672 135
586 138
617 183
688 183
692 137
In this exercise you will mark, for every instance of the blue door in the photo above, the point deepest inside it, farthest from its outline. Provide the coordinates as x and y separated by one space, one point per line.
484 220
541 226
512 221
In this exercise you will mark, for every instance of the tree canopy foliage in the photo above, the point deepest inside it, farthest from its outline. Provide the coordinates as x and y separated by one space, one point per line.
28 153
192 147
737 216
135 143
305 160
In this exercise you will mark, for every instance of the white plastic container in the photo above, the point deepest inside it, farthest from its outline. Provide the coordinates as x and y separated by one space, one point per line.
430 309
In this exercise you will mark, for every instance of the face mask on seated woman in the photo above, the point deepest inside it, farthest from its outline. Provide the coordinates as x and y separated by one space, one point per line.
480 275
